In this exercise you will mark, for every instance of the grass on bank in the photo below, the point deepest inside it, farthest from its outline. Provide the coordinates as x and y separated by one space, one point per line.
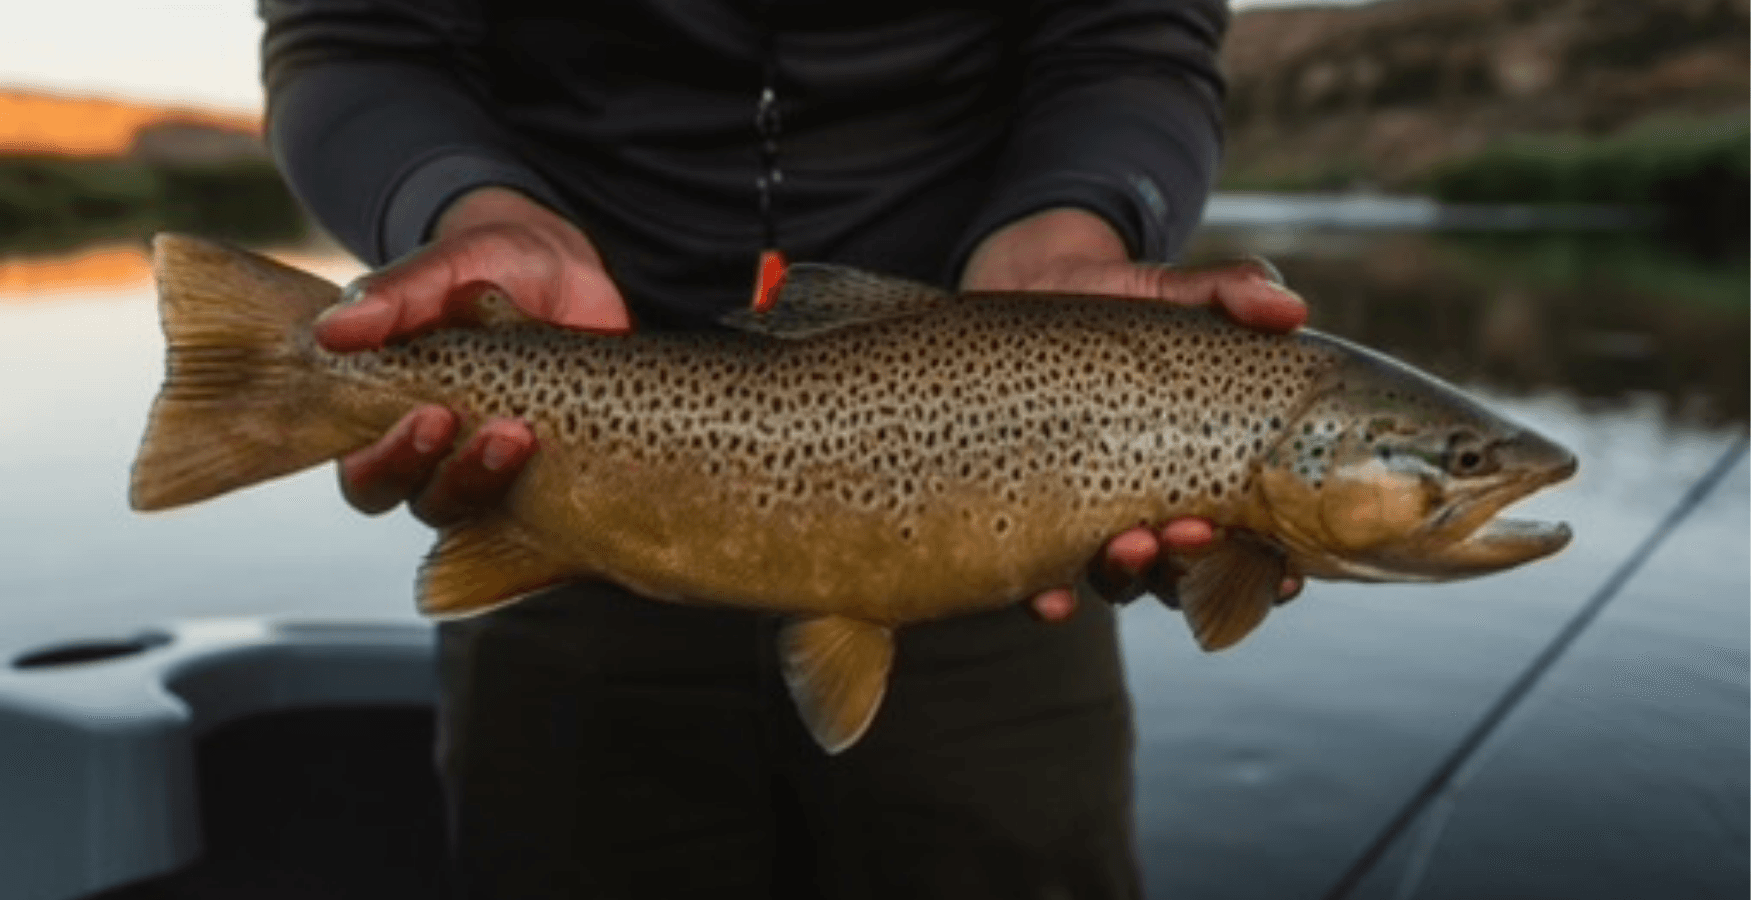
51 202
1658 163
1668 163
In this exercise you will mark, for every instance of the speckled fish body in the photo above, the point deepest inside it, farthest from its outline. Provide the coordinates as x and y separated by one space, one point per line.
871 453
894 471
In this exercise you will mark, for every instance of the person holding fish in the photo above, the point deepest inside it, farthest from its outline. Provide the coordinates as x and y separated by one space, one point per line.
625 166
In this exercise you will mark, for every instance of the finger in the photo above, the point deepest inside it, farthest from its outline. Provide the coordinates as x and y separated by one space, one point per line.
1055 606
400 299
1131 551
1290 587
391 470
1249 292
354 322
585 299
1267 268
1188 534
477 477
554 279
436 285
1114 575
1262 304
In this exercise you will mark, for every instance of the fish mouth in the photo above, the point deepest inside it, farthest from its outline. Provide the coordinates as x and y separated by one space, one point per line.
1519 540
1490 542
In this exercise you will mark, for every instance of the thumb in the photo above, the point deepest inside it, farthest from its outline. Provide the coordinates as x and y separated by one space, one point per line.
437 284
1249 291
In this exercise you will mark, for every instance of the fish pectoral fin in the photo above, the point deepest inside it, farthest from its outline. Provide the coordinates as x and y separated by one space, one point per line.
817 297
1229 590
837 670
483 564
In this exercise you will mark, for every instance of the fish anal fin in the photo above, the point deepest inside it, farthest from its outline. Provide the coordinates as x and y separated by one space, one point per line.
837 670
815 298
1230 589
484 564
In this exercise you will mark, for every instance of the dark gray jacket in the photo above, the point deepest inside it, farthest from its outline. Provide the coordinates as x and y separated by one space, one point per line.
908 130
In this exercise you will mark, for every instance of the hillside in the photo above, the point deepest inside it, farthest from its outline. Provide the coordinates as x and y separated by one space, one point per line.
80 169
1379 93
37 123
1320 96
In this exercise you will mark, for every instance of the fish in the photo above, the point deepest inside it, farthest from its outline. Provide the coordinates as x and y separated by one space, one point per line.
865 454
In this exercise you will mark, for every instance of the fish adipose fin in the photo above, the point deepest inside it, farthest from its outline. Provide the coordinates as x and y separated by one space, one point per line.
240 403
816 297
493 309
484 564
1229 590
837 669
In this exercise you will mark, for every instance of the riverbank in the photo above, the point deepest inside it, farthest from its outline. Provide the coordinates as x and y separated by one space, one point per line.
49 202
1382 92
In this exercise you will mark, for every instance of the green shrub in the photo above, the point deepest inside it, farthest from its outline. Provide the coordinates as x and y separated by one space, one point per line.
1664 163
245 201
55 201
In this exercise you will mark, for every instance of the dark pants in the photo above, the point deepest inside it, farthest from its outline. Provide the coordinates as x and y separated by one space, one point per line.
594 744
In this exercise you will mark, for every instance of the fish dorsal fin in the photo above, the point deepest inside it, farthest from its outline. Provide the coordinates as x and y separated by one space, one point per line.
818 297
481 565
837 670
1229 590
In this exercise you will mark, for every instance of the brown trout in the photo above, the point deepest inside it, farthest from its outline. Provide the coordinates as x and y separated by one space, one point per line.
867 454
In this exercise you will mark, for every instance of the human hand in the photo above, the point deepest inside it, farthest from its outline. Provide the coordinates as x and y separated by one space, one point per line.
1071 251
493 237
1074 251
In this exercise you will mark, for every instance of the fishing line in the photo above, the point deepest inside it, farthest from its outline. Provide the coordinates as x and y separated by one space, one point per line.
1441 780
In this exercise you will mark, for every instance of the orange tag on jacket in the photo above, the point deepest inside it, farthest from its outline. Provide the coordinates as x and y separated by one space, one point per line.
770 271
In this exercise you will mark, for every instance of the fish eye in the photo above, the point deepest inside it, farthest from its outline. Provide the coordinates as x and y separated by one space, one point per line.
1466 458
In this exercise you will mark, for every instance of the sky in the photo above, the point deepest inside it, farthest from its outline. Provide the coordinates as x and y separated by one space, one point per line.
200 53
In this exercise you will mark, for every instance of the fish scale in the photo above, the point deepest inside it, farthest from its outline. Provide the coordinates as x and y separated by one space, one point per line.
867 454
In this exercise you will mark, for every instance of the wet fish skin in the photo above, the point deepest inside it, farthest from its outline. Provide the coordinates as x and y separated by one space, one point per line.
869 454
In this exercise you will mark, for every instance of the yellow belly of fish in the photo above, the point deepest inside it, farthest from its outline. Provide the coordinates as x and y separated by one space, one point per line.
672 533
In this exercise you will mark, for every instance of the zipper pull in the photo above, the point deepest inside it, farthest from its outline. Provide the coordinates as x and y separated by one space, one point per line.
770 271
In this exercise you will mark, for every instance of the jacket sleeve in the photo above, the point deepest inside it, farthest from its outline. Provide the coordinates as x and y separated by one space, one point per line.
1119 113
375 118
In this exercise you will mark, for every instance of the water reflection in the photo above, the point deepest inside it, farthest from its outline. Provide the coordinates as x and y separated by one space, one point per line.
93 269
1606 317
82 271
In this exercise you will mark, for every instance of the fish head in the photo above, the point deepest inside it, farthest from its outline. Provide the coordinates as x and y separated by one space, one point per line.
1390 474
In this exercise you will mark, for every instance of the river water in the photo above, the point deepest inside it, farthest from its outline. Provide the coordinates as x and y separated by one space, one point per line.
1263 771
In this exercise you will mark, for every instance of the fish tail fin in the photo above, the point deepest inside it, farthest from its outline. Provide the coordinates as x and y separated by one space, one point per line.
241 400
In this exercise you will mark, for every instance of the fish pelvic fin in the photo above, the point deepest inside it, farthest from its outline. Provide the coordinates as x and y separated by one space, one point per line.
241 402
1230 589
837 670
484 564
